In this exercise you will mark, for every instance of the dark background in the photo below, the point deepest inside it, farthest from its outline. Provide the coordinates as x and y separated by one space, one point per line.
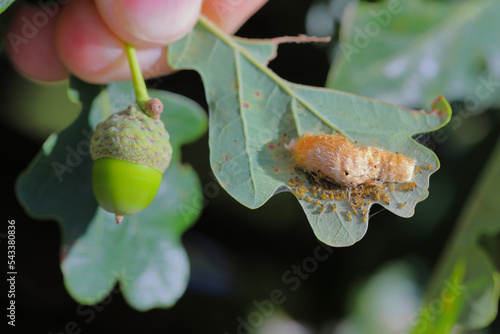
237 255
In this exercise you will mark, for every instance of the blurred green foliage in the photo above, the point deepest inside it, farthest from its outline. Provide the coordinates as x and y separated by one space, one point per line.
239 256
38 110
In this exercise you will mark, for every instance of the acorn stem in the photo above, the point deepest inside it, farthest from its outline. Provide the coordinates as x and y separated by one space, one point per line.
141 92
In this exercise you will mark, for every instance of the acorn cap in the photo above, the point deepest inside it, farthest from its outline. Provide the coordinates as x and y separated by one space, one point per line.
133 136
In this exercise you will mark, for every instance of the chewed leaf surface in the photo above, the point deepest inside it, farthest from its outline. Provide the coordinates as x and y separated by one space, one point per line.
254 113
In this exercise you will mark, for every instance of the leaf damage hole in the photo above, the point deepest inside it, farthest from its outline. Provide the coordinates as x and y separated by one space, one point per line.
276 148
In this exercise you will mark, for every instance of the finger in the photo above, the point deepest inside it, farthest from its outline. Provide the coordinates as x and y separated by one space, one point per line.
31 45
92 52
229 15
147 23
91 57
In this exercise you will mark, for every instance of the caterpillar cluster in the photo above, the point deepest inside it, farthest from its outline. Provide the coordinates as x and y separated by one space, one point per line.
359 197
341 171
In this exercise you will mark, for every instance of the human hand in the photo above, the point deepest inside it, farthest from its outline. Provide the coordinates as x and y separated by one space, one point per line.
85 37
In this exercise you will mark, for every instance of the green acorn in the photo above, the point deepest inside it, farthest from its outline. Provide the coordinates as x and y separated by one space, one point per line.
131 150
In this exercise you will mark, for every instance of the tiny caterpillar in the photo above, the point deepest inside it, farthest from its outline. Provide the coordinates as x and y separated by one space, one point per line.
336 158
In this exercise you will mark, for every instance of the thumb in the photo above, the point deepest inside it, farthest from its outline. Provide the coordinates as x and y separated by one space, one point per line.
149 23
